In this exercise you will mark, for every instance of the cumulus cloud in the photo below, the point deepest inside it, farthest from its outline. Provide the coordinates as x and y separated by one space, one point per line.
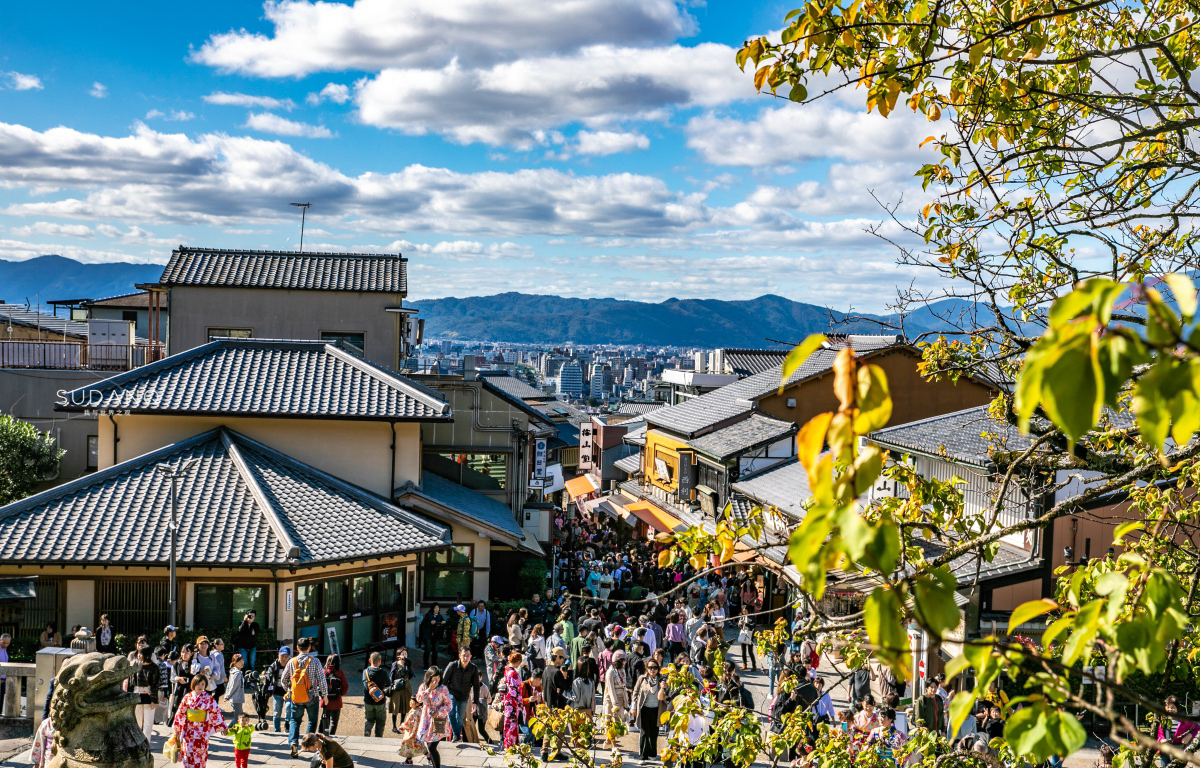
175 115
335 92
609 142
248 100
18 81
797 132
269 123
507 103
99 90
54 229
372 35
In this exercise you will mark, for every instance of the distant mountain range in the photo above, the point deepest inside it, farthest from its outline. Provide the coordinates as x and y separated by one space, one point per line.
519 317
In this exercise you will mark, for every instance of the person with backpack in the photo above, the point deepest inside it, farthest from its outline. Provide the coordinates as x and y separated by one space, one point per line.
338 685
376 682
400 692
307 690
465 629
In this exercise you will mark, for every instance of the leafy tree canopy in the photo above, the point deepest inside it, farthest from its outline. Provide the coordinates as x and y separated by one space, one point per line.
27 457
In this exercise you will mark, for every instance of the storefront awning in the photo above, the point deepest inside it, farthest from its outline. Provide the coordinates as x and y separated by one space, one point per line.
744 555
580 486
655 517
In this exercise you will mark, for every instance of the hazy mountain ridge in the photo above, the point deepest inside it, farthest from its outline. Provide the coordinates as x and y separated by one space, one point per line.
518 317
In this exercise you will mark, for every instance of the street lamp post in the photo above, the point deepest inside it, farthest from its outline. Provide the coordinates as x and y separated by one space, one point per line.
173 474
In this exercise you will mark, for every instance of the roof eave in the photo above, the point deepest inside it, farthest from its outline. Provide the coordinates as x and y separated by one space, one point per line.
254 414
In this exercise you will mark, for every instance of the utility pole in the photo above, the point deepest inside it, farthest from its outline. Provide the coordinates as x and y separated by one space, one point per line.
173 474
303 213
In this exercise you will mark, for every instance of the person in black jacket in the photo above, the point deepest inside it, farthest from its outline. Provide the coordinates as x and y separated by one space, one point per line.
400 695
461 678
146 683
181 677
245 639
433 625
277 686
376 682
106 636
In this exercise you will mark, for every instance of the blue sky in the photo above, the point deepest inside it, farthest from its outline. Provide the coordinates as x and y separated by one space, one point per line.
576 147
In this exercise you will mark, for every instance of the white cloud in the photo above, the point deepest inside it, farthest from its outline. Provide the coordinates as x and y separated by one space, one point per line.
797 132
467 251
99 90
335 92
609 142
175 115
54 229
269 123
507 103
17 81
247 100
372 35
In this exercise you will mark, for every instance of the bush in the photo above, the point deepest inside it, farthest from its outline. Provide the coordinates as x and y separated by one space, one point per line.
531 578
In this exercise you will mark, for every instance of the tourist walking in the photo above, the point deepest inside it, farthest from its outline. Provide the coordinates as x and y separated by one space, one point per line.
649 699
181 671
307 688
235 692
198 717
582 695
461 678
376 682
400 693
436 706
337 684
746 642
510 689
242 733
616 700
220 675
146 683
277 686
203 662
432 626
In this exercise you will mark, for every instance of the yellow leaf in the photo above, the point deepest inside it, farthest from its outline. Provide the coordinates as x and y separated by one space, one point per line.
760 77
798 355
926 141
664 558
811 440
844 379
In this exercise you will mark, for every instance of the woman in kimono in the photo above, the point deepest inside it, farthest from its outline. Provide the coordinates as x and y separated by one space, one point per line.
198 716
436 703
510 689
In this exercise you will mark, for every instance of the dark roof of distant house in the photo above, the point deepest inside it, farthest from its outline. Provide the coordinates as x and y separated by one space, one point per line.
479 508
699 414
783 486
247 505
640 408
558 409
366 272
629 464
968 436
635 436
513 385
264 377
24 316
139 300
752 432
747 362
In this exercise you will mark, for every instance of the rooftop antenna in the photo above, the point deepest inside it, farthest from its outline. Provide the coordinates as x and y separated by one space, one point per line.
303 213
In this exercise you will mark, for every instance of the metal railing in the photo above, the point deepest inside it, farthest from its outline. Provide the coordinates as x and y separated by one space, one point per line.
78 355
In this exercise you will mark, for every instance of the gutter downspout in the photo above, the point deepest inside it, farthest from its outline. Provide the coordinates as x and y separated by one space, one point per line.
392 483
116 438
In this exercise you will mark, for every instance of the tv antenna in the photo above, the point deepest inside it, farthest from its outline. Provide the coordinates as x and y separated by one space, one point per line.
303 213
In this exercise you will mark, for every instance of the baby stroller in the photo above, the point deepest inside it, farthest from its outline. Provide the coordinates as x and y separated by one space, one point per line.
260 693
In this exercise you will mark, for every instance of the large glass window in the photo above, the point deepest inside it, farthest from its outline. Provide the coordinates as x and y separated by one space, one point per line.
449 574
478 471
220 607
308 602
335 598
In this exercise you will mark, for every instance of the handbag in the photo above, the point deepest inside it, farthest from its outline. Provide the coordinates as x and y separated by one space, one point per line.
439 725
495 719
171 749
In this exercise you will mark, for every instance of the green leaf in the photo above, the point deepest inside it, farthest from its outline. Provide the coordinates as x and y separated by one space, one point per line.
883 550
798 355
956 666
933 602
804 550
1150 409
1071 391
1184 291
883 616
1087 624
1026 611
1124 529
874 400
960 708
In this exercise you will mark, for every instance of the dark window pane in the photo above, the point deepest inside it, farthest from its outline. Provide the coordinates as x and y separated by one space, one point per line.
362 599
335 598
307 602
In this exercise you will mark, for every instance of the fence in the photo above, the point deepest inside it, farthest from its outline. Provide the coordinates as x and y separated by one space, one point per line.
78 355
18 690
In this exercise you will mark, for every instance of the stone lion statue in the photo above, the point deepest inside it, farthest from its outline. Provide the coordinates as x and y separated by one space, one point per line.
93 718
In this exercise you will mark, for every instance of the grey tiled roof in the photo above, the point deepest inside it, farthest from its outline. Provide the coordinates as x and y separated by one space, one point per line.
369 272
750 432
483 509
261 377
139 300
784 486
693 417
19 314
629 464
968 436
636 436
747 362
243 504
514 386
640 409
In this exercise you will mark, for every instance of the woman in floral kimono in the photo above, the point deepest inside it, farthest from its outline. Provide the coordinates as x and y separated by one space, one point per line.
511 691
410 746
198 716
436 704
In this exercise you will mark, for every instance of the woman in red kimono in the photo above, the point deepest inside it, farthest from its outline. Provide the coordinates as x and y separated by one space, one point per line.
197 717
513 710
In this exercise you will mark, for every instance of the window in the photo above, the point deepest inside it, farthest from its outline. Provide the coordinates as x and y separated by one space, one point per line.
308 599
219 607
229 333
93 452
354 343
477 471
335 598
129 315
449 574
